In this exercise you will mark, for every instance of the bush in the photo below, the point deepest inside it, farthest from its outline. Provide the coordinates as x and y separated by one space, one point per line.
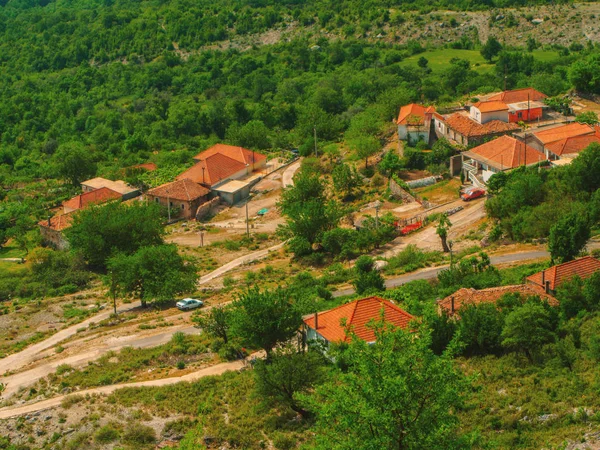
106 434
138 434
181 365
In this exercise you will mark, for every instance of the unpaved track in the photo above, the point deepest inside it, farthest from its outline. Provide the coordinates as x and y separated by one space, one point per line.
6 413
288 175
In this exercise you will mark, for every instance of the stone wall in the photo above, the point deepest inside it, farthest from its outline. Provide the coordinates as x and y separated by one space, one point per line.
205 208
398 192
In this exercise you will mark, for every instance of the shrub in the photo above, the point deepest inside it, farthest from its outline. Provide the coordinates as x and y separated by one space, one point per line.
138 434
106 434
181 365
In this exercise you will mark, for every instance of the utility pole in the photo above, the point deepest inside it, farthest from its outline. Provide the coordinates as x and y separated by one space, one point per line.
201 238
450 245
113 289
247 220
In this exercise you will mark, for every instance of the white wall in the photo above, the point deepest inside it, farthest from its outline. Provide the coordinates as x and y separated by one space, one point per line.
488 116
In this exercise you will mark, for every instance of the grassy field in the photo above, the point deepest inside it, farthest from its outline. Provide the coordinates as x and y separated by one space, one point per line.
439 59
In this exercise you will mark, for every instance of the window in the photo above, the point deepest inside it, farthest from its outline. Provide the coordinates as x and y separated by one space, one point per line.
520 115
182 206
155 199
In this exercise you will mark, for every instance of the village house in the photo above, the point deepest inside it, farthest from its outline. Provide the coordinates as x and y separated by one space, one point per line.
498 155
335 325
484 112
452 304
127 192
183 197
460 128
221 168
52 229
525 104
89 198
552 278
414 123
548 140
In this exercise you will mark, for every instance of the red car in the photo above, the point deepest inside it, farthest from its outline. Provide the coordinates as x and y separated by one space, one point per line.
472 194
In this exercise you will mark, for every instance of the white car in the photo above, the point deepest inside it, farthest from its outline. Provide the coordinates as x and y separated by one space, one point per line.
189 303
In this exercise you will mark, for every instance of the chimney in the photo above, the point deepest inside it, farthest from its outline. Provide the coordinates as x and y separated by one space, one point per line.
452 304
548 287
543 278
49 221
316 321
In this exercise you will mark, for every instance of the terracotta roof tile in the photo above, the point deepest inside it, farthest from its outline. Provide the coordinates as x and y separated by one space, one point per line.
563 132
184 190
58 222
239 154
470 296
490 106
572 144
557 275
469 128
414 114
212 170
357 315
519 95
506 152
94 197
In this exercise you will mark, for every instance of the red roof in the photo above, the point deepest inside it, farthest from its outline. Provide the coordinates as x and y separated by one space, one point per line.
212 170
470 296
491 106
239 154
572 144
506 152
469 128
58 222
563 132
185 190
96 196
357 315
519 95
414 114
557 275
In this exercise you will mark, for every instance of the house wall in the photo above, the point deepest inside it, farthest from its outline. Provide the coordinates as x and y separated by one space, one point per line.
231 198
205 208
179 208
402 132
526 115
534 142
485 117
53 238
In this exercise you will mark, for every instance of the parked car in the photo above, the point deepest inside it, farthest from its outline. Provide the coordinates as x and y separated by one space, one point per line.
189 303
472 194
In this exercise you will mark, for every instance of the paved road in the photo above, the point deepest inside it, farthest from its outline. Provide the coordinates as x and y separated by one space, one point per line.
13 411
238 262
429 273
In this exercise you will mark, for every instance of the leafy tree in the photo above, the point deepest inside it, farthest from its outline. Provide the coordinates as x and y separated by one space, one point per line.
571 297
75 163
289 373
308 212
265 319
367 277
582 174
396 393
422 62
365 147
568 237
155 273
444 225
216 322
390 164
589 117
584 74
253 135
527 329
480 327
101 231
19 232
345 179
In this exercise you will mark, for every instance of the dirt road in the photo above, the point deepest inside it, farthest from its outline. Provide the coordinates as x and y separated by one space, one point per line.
288 175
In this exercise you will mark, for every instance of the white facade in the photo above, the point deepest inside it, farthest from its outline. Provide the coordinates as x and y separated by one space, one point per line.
484 117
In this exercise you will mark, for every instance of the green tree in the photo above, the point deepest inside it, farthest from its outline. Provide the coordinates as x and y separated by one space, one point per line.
527 329
75 163
444 225
345 179
253 135
289 373
585 74
20 233
265 318
491 49
396 393
390 164
589 117
216 322
568 236
365 147
480 327
100 231
368 278
155 273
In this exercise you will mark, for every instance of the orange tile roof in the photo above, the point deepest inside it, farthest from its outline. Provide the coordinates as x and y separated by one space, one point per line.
357 315
469 128
519 95
212 170
470 296
185 190
572 144
491 106
150 166
557 275
563 132
506 152
58 222
414 114
94 197
239 154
